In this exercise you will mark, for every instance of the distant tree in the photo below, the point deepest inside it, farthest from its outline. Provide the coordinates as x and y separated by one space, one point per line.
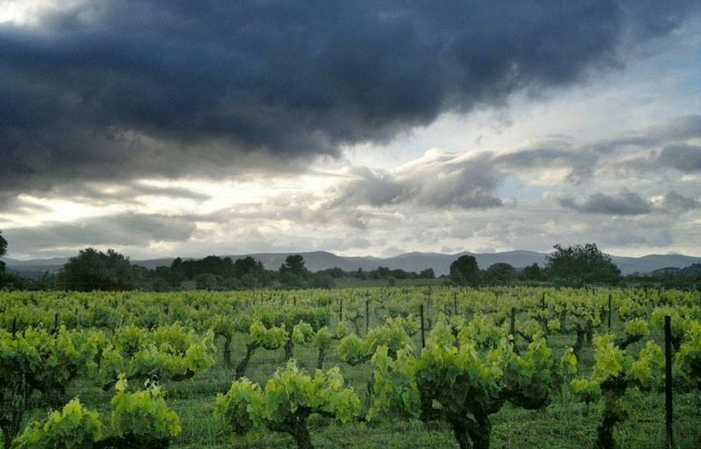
95 270
3 251
359 273
294 264
247 265
207 281
382 272
401 274
323 281
335 272
533 273
464 270
428 273
3 245
576 265
293 273
500 274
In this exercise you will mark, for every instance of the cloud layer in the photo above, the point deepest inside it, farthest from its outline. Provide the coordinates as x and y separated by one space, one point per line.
106 90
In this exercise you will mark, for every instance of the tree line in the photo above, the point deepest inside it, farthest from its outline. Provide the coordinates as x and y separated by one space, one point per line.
573 266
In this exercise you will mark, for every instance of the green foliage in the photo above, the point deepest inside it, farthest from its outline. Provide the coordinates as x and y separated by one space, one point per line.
3 245
269 338
289 398
393 334
143 413
500 274
689 355
94 270
36 367
464 379
577 265
394 385
139 419
614 372
74 427
172 352
464 270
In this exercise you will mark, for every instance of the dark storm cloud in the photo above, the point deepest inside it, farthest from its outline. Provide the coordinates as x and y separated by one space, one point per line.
120 229
123 89
626 203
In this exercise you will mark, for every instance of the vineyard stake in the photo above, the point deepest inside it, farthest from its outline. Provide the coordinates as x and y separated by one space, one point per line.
367 317
421 315
512 327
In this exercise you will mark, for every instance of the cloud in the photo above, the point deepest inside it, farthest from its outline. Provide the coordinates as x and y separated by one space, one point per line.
683 157
625 203
436 180
105 90
668 145
136 230
676 203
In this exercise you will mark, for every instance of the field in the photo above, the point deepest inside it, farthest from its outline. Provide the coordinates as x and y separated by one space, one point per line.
561 317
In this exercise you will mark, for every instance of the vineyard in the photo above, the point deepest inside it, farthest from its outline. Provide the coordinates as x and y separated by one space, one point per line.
357 368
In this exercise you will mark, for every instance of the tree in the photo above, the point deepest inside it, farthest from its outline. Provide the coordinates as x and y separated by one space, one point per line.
428 273
500 274
533 273
576 265
464 270
293 273
3 251
3 245
95 270
295 265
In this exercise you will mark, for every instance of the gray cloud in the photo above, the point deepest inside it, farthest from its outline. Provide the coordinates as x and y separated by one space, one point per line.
682 156
373 188
674 202
663 146
117 90
436 181
581 161
123 230
626 203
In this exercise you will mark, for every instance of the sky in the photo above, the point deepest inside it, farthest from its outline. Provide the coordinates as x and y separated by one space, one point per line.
360 127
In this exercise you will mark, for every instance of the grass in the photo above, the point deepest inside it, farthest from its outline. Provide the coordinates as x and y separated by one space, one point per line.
565 424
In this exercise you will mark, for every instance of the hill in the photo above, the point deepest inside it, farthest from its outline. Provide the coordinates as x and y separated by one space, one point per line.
415 261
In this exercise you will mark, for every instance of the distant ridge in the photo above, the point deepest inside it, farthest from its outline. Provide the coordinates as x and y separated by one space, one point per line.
415 261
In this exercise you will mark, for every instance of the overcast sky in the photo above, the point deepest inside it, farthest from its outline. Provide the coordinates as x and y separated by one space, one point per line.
360 127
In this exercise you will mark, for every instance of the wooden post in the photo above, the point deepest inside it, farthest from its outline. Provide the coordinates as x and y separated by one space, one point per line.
609 311
367 317
512 326
340 310
421 315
